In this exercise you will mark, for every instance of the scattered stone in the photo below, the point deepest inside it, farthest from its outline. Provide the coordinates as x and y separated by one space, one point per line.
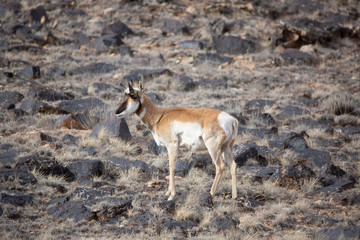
46 138
350 232
222 224
45 166
114 127
169 206
107 42
156 149
314 158
234 45
12 174
78 121
186 83
183 167
192 44
11 97
125 165
296 57
16 200
174 26
335 188
85 105
95 68
258 173
75 210
291 112
295 141
291 176
92 193
256 104
38 15
119 28
32 107
80 38
8 157
56 72
253 203
147 74
243 152
86 169
211 58
47 94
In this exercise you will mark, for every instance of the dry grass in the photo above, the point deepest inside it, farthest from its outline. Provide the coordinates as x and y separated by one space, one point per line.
288 158
341 103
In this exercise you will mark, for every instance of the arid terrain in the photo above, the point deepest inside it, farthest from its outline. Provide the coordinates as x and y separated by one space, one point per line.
289 71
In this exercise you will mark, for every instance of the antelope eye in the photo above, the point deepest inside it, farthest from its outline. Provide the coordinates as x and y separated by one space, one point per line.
133 97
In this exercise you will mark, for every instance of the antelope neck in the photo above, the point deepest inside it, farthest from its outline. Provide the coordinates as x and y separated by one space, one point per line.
152 114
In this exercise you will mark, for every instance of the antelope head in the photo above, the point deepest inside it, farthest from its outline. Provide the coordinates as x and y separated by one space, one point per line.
132 100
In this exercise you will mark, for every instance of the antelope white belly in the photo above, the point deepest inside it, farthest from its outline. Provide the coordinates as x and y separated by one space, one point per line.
189 135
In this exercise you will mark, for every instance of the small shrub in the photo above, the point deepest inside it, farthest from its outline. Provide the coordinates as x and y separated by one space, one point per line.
341 104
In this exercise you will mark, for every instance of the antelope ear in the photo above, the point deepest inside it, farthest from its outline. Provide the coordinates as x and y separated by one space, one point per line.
131 89
141 86
132 83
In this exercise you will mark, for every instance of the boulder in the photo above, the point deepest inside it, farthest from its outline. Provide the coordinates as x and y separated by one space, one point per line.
296 57
314 158
169 206
335 188
156 149
234 45
38 15
183 167
16 200
86 169
147 74
114 127
22 176
125 165
8 157
107 42
85 105
11 97
76 210
47 94
32 106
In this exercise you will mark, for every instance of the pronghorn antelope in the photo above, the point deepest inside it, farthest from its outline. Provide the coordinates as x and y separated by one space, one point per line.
194 128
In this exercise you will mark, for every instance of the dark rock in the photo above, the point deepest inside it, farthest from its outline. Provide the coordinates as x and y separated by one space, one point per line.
205 200
295 141
78 121
331 169
335 188
1 211
315 158
296 57
174 26
91 150
80 38
348 130
211 83
259 173
109 212
99 87
16 200
350 232
258 104
292 176
222 224
183 167
107 42
173 225
86 169
156 149
211 58
47 94
46 138
92 193
81 105
8 157
186 83
125 50
142 220
291 112
119 28
32 107
114 127
11 97
45 166
75 13
192 44
319 221
12 174
155 98
308 102
95 68
258 132
125 165
243 152
75 210
169 206
253 203
56 72
37 14
147 74
234 45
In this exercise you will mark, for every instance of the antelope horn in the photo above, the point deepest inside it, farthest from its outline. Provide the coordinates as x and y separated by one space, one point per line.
132 91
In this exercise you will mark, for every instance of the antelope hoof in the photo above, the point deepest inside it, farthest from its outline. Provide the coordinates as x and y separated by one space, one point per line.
170 195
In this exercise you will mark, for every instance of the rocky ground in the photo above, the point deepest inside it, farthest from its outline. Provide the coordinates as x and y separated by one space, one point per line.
288 70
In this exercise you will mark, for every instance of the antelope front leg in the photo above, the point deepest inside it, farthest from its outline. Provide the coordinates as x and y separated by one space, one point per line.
173 152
